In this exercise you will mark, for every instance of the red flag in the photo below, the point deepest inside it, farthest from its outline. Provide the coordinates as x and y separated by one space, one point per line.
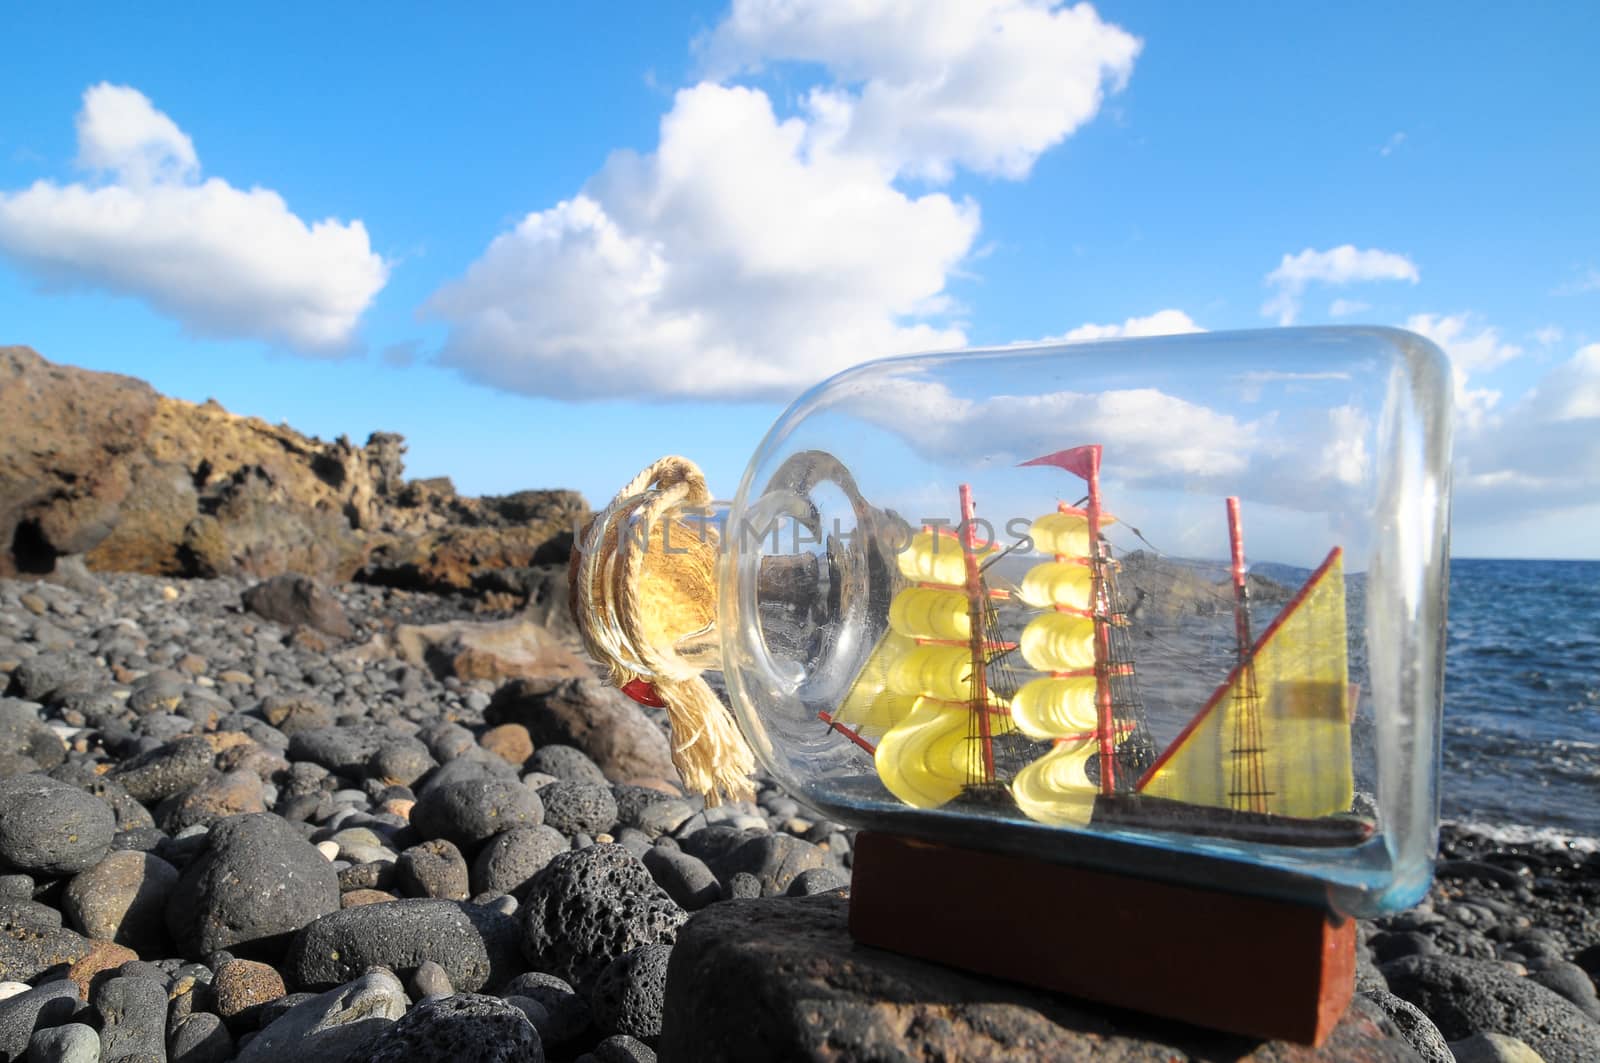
1081 461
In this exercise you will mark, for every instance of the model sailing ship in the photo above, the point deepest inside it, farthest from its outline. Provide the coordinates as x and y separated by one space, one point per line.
942 709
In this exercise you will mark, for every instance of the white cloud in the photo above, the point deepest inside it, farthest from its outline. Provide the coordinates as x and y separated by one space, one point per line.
1347 307
1318 460
731 263
1537 453
1154 435
1161 323
1549 336
121 133
1337 266
1541 453
1571 391
1393 144
984 84
1473 348
223 261
753 254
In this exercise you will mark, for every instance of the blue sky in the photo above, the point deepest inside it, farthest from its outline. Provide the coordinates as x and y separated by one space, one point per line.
704 211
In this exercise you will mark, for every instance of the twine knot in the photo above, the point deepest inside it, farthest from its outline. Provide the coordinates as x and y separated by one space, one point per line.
643 581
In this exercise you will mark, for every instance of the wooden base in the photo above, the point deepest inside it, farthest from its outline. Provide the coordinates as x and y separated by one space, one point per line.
1248 965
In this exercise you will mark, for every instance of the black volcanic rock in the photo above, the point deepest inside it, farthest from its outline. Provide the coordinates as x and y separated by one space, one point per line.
257 882
589 907
476 946
50 827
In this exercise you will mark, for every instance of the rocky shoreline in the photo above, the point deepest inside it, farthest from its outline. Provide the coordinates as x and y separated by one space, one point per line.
228 836
300 757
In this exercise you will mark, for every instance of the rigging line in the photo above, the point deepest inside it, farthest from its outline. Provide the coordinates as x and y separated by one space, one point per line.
1159 552
1014 547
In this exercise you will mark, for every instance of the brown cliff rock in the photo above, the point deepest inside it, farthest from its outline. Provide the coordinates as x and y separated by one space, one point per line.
67 437
102 465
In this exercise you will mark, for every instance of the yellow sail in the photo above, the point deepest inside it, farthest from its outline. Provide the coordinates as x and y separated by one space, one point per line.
1054 789
938 557
1065 534
1057 583
925 613
1049 708
1301 707
871 706
924 759
1058 642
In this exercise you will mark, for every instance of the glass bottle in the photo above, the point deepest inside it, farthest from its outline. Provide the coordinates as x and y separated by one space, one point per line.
1001 599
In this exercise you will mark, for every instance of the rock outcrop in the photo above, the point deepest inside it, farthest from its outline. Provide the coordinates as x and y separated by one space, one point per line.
782 979
101 465
68 439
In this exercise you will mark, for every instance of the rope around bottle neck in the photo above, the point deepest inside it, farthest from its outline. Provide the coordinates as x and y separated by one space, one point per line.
614 607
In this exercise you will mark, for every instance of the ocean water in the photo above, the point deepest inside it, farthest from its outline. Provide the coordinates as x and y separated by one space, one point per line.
1522 696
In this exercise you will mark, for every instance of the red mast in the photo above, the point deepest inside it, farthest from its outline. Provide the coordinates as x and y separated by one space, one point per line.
977 611
1085 462
1241 612
1248 790
1099 602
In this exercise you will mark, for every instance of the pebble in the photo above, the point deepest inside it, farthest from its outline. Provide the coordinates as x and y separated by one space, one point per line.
358 897
629 994
24 733
401 761
258 881
621 1048
243 987
294 600
50 827
1465 997
232 793
512 858
1493 1048
22 1012
430 980
774 860
590 906
27 952
567 762
686 878
432 869
578 807
567 1015
509 742
1418 1030
326 1028
474 945
101 957
1573 983
467 768
200 1038
133 1014
741 886
449 1029
817 880
471 812
341 750
71 1042
291 713
171 768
